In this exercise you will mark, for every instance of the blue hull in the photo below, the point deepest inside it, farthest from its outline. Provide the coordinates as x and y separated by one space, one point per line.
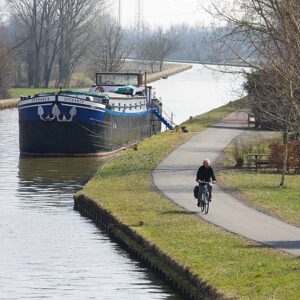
52 127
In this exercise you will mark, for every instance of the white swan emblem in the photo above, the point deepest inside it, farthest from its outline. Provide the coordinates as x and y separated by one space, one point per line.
57 114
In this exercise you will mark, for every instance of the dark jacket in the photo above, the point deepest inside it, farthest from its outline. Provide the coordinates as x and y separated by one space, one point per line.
206 174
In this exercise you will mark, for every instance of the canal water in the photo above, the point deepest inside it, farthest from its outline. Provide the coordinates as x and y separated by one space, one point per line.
47 250
198 90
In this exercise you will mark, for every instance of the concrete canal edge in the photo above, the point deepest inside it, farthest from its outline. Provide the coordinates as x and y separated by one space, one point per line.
169 72
179 276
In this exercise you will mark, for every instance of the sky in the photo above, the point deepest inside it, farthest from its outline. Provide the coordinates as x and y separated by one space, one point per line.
159 12
163 12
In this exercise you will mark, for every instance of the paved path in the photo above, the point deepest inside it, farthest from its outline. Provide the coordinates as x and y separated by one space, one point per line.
175 177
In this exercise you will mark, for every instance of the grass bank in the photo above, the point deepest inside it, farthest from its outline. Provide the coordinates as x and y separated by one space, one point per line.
17 92
234 266
201 122
169 69
262 190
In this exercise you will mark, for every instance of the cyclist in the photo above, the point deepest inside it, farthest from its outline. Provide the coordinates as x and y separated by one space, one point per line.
206 173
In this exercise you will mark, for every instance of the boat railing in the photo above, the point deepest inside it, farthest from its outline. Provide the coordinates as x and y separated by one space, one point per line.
169 117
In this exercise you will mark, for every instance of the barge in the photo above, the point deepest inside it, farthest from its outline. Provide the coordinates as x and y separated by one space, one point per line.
118 111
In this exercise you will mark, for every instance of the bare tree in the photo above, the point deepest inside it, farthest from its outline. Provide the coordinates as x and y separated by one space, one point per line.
145 49
29 18
166 42
110 46
76 20
51 41
36 22
156 45
5 70
208 47
270 29
58 31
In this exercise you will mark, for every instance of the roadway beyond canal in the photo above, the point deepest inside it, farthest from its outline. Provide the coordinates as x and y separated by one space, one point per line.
175 177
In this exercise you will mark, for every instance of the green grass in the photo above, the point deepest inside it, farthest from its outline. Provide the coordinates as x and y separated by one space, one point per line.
79 79
263 191
17 92
233 265
201 122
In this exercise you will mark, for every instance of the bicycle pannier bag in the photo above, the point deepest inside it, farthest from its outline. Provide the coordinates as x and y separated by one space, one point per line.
196 191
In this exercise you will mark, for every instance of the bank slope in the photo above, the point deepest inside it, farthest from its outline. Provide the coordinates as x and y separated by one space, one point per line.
202 259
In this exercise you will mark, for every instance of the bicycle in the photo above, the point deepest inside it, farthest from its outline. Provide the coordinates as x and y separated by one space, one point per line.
203 197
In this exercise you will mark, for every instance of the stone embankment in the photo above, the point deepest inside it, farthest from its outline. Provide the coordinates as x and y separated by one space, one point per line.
180 277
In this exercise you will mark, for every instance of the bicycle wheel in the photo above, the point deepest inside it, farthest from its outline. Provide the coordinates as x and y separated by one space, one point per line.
200 202
206 204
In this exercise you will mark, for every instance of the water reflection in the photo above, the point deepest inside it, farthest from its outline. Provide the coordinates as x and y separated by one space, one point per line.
58 170
47 176
47 250
198 90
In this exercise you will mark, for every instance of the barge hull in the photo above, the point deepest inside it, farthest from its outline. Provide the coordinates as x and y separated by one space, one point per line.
85 138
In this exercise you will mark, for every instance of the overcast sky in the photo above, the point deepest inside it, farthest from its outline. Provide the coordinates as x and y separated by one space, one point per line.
159 12
163 12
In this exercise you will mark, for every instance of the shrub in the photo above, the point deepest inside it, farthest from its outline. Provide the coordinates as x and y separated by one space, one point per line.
239 153
241 150
5 71
293 158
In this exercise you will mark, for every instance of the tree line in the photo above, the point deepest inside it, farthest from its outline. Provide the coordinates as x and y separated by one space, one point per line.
55 35
270 29
44 41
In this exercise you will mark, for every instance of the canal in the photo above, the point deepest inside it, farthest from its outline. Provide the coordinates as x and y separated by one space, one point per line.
198 90
47 250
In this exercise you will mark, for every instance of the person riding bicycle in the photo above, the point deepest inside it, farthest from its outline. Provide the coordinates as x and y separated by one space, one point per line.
206 173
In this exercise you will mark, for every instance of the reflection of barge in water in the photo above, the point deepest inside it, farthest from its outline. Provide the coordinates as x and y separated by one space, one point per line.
57 171
76 123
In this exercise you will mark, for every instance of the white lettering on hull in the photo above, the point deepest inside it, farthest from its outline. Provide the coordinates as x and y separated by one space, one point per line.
80 101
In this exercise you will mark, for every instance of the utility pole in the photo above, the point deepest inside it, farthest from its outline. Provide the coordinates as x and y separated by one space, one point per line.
120 12
138 17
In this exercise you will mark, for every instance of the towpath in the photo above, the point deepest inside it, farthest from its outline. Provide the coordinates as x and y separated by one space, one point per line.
175 178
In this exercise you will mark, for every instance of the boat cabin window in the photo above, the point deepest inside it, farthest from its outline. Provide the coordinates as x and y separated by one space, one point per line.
117 79
119 106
